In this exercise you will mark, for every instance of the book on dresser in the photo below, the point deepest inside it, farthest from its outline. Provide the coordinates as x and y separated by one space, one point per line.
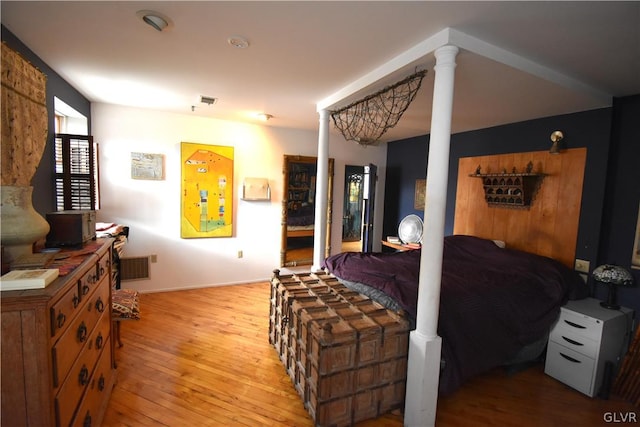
28 279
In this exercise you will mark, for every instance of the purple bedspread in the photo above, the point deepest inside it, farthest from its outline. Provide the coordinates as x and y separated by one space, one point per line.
493 301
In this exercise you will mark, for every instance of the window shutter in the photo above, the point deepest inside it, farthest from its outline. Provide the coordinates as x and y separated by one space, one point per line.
76 172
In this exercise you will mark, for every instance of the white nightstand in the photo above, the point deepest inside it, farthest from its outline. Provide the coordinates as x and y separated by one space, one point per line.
586 337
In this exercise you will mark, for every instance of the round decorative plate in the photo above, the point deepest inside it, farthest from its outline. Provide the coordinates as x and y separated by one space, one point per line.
410 229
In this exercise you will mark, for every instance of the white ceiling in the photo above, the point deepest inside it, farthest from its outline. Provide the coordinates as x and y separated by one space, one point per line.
305 52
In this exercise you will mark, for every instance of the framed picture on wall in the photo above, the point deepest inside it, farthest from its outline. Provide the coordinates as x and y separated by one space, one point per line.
147 166
207 190
420 192
635 258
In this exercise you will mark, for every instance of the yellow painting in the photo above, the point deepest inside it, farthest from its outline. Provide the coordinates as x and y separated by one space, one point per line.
207 190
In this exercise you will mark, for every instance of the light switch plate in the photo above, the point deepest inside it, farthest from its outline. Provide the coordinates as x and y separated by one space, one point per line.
582 265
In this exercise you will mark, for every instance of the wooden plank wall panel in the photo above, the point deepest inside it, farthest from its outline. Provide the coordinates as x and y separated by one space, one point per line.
13 407
549 227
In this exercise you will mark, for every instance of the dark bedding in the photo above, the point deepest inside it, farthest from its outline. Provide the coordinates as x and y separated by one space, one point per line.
493 301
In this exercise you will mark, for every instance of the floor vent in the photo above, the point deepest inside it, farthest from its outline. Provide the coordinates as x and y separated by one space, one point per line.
136 268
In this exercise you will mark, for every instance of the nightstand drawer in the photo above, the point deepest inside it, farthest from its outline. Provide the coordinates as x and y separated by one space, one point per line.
570 367
580 324
566 336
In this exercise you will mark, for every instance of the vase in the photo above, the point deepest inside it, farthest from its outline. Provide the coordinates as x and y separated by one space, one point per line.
21 226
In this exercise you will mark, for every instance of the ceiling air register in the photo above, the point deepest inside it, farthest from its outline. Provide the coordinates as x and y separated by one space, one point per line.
366 120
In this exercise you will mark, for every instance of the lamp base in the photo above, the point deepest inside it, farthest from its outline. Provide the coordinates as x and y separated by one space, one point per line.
612 301
610 306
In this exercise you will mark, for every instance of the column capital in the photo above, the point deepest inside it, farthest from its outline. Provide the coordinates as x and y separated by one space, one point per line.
323 114
446 55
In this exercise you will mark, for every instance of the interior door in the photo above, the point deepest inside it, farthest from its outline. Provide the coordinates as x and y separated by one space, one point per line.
352 206
368 196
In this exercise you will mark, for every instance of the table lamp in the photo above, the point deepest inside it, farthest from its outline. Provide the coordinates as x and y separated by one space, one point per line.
613 276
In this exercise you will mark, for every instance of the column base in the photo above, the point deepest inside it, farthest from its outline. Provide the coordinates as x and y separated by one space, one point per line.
423 378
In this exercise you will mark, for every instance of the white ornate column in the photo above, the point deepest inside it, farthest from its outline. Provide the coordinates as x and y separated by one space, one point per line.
424 343
322 185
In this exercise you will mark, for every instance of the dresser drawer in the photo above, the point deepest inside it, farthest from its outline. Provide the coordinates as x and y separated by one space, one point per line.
581 324
89 282
567 336
570 367
104 265
79 376
97 391
66 350
64 310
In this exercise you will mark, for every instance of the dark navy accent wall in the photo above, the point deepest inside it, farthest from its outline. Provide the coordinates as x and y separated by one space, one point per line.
605 216
406 162
620 213
42 182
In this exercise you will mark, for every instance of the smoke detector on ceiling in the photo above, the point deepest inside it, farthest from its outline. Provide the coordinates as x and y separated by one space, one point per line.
239 42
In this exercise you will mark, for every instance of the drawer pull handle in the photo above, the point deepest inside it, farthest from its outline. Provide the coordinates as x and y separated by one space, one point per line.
101 382
76 301
85 289
99 305
570 359
575 325
99 341
61 319
87 420
82 332
83 378
570 341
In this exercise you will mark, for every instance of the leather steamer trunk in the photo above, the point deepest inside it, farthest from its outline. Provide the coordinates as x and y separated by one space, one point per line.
345 354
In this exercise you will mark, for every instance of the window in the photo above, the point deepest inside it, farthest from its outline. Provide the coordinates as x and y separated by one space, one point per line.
76 172
76 160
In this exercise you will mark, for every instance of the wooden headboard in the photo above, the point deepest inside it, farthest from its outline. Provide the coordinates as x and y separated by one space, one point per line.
549 226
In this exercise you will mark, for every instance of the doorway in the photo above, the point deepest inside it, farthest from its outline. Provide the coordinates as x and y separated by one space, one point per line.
352 208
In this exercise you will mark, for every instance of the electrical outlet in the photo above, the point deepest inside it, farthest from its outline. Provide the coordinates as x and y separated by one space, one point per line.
582 266
240 254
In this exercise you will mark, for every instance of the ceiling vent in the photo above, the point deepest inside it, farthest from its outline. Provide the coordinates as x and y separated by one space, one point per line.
208 100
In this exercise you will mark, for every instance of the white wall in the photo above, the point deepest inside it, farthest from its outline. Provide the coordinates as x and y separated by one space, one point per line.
152 208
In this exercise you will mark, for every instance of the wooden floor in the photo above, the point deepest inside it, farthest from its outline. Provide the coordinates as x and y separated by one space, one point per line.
307 253
202 358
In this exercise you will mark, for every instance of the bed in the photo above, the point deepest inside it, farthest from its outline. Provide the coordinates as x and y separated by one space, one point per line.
301 224
497 305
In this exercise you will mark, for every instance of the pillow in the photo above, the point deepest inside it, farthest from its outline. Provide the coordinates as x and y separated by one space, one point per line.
500 243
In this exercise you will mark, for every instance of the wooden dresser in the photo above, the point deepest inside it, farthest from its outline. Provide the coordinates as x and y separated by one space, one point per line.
57 351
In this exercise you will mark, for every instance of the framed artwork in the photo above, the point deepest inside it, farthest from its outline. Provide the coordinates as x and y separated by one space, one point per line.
206 196
147 166
421 189
635 258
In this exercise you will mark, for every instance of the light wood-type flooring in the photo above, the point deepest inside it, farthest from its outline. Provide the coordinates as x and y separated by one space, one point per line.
202 358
